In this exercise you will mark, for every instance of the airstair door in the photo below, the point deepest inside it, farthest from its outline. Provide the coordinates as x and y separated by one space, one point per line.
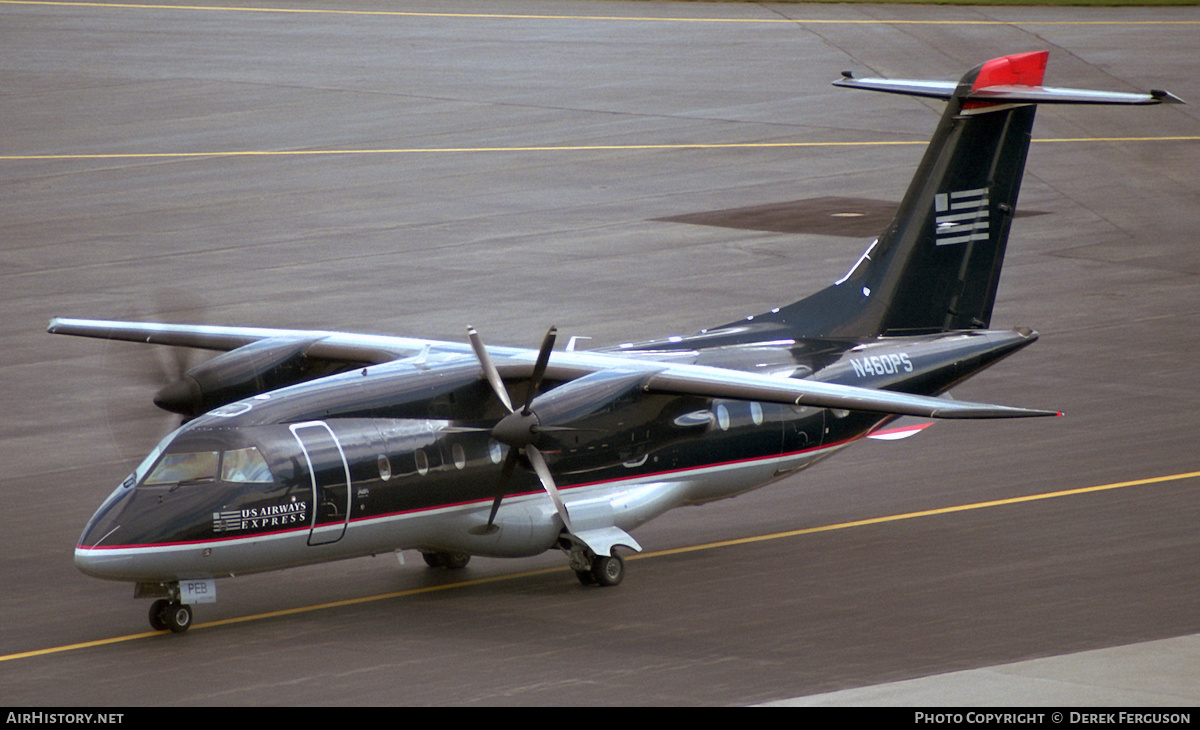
328 472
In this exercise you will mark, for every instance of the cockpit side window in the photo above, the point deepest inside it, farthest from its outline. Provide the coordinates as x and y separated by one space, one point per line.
142 469
176 468
246 466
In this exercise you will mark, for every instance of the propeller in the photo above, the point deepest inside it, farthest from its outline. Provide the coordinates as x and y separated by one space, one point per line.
133 368
176 386
518 430
167 367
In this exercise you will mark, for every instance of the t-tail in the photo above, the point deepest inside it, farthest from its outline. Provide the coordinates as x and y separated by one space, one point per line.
936 266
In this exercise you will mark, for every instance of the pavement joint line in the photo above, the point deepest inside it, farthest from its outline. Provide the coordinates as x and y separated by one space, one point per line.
604 18
533 148
660 553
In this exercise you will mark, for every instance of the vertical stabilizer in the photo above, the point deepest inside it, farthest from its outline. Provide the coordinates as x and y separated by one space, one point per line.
937 264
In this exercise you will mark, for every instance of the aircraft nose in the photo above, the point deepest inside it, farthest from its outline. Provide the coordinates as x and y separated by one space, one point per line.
94 562
93 553
102 554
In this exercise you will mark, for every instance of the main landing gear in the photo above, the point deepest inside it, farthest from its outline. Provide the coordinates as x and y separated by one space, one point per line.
450 561
597 570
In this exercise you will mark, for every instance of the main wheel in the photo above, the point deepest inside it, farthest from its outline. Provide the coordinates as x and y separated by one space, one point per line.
452 561
456 561
178 617
608 570
585 577
158 612
433 560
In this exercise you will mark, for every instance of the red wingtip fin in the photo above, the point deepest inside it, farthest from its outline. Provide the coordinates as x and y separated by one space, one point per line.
1021 69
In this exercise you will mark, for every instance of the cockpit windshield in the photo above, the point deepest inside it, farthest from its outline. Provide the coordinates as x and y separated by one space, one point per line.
245 466
176 468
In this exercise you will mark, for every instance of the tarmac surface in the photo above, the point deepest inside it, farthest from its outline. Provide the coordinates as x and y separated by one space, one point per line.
411 168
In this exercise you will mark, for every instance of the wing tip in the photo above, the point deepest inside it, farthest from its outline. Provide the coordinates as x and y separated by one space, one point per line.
1165 97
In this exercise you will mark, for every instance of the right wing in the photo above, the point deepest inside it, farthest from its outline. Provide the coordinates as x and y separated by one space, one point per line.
350 348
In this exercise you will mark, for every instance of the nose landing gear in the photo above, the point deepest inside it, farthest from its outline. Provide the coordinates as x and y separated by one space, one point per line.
169 612
166 614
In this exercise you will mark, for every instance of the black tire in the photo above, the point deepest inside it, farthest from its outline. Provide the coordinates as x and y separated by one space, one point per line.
433 560
455 561
178 617
158 613
450 561
585 577
608 570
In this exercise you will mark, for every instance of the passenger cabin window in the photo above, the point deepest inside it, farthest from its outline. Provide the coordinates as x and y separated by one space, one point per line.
723 417
756 413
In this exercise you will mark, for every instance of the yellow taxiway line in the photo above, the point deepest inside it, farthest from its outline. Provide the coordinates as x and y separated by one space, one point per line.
676 551
605 18
534 148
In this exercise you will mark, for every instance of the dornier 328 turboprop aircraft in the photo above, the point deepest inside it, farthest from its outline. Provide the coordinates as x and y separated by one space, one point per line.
309 446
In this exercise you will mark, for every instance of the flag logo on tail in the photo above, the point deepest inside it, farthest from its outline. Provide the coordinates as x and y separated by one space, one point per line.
962 216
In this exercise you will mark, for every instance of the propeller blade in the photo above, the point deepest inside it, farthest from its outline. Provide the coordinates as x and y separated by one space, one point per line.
489 369
510 463
543 471
517 429
539 369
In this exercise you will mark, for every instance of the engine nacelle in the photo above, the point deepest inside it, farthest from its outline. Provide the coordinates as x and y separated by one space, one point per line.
244 372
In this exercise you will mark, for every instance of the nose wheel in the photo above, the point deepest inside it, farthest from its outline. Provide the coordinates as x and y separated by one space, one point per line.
170 615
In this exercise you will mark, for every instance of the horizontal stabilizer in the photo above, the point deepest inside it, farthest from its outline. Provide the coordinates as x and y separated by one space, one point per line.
908 87
1005 93
1053 95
